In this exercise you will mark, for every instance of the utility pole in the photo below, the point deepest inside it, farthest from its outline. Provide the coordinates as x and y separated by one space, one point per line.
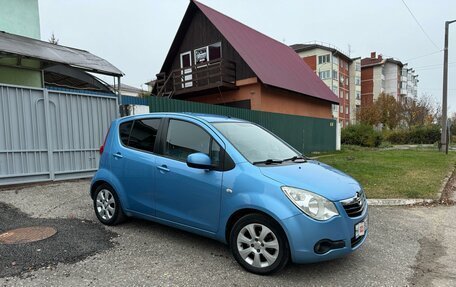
444 139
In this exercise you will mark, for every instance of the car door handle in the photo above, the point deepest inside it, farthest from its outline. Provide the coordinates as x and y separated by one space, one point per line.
117 155
163 168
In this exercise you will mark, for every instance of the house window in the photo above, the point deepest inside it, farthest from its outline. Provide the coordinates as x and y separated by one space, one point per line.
335 89
334 75
324 75
201 55
358 66
358 95
357 81
336 60
208 53
324 59
346 110
215 51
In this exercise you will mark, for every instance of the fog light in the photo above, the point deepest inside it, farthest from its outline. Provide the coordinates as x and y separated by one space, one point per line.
325 245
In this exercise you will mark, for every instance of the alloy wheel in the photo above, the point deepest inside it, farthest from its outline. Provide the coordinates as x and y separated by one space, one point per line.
258 245
106 204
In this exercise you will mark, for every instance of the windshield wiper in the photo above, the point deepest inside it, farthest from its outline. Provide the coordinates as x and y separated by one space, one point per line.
295 158
268 161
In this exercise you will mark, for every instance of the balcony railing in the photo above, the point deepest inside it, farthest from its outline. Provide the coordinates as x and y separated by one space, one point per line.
204 76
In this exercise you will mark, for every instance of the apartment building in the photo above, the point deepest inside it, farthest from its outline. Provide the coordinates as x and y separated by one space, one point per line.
386 75
339 72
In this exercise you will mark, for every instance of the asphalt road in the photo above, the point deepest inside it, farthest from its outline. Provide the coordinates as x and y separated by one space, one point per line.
407 246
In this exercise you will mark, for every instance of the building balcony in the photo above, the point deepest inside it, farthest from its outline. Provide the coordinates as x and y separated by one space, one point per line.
203 78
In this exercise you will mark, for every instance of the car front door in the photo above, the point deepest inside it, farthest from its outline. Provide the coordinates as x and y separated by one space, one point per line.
135 160
186 195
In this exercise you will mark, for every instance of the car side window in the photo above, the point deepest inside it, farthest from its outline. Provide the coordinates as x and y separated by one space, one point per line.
124 132
185 138
143 134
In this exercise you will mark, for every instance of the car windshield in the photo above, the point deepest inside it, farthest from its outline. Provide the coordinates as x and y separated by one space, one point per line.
255 143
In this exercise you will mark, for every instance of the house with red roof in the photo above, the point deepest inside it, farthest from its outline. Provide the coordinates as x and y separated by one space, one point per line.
217 60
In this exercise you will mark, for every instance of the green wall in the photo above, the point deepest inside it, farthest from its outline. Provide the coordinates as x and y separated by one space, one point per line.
20 17
306 134
23 76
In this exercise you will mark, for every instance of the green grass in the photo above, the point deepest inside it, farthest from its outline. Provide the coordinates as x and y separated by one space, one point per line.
414 173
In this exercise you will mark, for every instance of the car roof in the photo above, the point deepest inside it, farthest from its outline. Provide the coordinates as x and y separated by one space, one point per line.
211 118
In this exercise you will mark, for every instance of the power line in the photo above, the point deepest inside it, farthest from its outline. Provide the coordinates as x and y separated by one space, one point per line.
426 55
421 27
433 65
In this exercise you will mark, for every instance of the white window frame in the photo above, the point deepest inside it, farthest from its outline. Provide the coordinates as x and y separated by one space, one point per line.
323 59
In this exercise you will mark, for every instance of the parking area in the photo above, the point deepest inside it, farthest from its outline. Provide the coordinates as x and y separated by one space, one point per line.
407 246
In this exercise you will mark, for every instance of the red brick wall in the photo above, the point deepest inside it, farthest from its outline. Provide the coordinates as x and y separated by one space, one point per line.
367 86
270 99
344 90
311 61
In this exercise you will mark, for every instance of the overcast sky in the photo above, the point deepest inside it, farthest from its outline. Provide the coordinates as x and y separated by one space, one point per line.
135 35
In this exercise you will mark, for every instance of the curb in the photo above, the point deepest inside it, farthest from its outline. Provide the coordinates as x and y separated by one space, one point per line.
398 201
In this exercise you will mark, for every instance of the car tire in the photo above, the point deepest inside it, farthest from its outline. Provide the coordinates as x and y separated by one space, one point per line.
259 244
107 206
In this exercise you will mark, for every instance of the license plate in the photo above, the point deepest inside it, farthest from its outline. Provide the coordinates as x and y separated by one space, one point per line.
360 228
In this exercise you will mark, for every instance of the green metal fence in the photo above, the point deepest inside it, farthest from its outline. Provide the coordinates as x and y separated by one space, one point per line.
306 134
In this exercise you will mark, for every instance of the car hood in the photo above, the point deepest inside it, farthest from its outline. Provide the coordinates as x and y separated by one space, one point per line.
316 177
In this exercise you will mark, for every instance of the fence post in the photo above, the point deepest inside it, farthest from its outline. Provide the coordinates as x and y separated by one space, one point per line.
338 135
47 117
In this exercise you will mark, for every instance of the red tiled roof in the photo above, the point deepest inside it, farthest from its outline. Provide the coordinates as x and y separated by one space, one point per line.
274 63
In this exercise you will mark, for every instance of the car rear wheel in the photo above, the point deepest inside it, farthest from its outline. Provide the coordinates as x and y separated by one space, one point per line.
259 244
107 205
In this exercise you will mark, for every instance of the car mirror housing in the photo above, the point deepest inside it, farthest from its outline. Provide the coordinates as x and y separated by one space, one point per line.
199 160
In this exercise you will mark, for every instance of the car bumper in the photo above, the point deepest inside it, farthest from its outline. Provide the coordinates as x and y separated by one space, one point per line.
304 233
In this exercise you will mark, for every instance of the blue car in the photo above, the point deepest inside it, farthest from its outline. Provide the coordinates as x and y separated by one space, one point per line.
230 180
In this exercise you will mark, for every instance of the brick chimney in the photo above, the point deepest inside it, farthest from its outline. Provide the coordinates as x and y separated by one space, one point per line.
373 55
380 57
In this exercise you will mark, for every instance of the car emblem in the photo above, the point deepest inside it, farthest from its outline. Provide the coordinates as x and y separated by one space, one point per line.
358 197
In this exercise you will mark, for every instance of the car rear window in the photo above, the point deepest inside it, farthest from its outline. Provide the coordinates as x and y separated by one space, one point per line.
142 135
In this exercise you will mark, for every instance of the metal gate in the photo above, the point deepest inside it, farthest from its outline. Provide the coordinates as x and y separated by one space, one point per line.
51 135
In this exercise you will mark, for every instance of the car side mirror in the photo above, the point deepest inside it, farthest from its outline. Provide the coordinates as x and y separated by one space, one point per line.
199 160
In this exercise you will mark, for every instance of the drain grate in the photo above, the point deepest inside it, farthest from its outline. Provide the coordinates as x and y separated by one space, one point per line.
26 234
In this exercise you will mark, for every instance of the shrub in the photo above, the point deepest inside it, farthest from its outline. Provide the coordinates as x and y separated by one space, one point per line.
362 135
416 135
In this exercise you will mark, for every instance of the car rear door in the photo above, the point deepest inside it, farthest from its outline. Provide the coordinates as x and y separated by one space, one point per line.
134 162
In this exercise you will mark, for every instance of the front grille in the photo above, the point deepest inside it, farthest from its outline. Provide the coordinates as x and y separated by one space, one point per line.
354 206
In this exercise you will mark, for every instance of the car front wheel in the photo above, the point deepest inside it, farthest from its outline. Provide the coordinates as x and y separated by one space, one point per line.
259 244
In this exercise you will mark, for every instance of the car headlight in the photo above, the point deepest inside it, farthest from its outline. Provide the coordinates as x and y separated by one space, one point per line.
312 204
